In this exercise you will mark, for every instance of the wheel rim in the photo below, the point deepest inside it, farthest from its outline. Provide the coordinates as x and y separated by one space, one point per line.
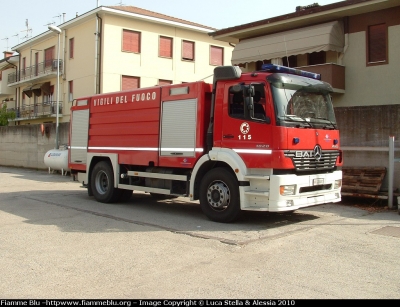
102 182
218 196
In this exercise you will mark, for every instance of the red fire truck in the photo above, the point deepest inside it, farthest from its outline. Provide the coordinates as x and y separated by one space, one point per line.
261 141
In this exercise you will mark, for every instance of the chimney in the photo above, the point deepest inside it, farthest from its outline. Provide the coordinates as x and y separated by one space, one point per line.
7 54
306 7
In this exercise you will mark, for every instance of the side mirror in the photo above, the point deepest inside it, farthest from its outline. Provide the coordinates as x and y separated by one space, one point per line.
236 88
251 91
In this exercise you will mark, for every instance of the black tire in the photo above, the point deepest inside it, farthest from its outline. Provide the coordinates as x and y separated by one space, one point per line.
125 195
102 183
89 190
219 196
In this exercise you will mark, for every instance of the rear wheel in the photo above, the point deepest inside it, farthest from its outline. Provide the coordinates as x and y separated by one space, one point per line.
219 195
102 183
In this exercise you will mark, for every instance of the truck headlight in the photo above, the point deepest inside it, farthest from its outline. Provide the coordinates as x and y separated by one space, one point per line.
338 184
287 189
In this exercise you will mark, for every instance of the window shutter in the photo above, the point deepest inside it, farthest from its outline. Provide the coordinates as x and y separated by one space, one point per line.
316 58
36 63
165 47
130 83
164 82
71 48
216 56
131 41
71 90
48 57
290 61
377 43
188 50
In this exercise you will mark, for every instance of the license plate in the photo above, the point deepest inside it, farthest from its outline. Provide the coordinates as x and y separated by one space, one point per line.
318 181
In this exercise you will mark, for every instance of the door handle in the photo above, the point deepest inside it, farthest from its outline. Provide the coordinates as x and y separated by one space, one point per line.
228 136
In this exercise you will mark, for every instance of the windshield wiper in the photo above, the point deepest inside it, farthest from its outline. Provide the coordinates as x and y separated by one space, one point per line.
303 120
333 126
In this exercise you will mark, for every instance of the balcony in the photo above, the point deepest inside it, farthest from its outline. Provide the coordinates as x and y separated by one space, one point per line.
41 110
38 72
334 74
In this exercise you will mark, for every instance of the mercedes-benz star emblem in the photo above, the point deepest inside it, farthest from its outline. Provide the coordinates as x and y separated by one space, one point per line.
317 152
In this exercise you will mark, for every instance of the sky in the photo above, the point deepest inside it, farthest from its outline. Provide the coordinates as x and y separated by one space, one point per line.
218 14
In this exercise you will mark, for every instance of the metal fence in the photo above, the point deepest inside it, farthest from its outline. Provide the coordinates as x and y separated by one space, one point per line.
37 110
44 68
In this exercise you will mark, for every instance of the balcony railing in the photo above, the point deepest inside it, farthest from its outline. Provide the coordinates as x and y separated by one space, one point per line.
46 109
332 73
42 69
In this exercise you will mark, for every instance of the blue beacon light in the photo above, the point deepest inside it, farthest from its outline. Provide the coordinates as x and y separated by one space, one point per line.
288 70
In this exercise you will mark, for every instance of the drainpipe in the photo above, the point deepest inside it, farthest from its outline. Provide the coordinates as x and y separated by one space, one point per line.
16 89
97 55
17 78
63 56
96 39
346 39
346 45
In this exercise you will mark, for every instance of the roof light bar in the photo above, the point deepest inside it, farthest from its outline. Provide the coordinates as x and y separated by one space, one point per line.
288 70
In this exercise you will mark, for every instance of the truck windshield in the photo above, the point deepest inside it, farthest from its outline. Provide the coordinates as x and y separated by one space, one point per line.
302 102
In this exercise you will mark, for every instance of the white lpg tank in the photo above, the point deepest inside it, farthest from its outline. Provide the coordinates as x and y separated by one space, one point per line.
57 159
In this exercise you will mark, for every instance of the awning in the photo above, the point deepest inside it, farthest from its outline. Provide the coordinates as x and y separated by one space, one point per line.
323 37
37 89
27 91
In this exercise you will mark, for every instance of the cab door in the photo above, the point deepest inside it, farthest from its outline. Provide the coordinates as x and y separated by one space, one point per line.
247 134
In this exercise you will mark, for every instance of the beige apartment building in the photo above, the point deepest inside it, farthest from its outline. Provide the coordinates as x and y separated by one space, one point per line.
354 45
8 65
110 48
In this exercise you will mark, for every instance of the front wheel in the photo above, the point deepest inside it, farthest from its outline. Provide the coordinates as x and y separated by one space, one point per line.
219 196
102 183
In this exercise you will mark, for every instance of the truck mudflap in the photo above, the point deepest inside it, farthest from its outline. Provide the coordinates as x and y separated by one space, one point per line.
298 192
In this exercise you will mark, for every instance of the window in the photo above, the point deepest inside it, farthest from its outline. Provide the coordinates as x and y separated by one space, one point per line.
316 58
71 48
377 44
165 47
23 66
37 63
130 83
48 57
23 100
187 50
259 64
236 102
70 90
237 107
48 99
290 61
131 41
216 55
164 82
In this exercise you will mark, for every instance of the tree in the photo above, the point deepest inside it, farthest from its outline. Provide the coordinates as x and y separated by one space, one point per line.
5 115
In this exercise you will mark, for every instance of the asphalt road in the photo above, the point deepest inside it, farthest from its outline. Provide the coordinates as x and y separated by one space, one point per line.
57 242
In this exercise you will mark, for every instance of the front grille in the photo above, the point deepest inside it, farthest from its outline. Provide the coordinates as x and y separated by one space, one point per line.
305 160
315 188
